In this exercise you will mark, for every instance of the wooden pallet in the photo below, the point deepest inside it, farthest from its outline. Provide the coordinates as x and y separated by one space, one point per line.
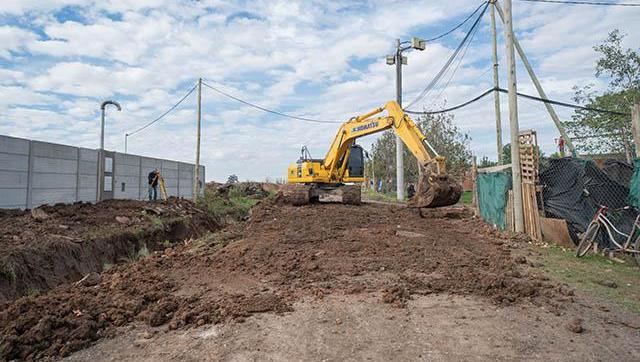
529 163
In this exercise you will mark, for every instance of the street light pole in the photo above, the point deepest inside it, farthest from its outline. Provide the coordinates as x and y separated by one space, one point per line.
126 136
100 183
399 147
399 60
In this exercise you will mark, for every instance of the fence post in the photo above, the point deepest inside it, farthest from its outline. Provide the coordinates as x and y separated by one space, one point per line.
474 179
635 126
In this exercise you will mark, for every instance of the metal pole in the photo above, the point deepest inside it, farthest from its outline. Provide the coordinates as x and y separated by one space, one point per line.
196 171
100 175
399 146
126 136
543 95
496 83
513 121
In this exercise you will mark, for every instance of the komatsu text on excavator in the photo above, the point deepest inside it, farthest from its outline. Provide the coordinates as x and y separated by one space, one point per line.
342 169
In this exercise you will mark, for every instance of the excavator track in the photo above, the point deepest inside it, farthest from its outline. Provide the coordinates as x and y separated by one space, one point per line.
299 195
351 194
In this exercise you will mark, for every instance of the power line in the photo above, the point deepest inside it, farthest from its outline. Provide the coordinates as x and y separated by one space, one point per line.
455 70
523 95
453 108
457 26
596 3
266 109
446 66
163 114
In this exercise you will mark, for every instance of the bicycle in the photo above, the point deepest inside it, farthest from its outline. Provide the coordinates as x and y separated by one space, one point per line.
601 220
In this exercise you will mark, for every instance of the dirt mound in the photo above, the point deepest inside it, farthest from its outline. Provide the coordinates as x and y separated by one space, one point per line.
50 245
281 254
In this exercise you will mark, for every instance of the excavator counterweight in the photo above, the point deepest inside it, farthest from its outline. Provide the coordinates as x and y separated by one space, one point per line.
341 171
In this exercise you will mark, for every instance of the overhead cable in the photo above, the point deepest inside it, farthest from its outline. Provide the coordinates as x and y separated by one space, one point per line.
457 26
596 3
523 95
163 114
455 70
266 109
446 66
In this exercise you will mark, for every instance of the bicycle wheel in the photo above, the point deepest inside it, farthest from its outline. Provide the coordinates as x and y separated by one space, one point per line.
588 239
636 255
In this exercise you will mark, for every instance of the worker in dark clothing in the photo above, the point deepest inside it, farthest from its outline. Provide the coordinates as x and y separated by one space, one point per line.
411 190
153 184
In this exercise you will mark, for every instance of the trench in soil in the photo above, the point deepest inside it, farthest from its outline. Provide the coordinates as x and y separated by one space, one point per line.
38 268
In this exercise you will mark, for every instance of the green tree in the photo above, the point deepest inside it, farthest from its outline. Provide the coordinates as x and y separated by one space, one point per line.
445 137
486 162
603 132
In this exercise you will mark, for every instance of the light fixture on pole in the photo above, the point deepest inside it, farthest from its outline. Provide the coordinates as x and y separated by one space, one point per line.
100 182
399 60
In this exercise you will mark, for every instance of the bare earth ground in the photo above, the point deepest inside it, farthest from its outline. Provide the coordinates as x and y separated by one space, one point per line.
326 282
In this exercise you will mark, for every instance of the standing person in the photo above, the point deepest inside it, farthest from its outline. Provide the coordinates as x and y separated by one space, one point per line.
153 184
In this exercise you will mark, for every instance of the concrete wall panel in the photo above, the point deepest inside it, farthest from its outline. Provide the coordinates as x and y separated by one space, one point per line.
52 196
14 162
54 165
12 145
13 198
54 181
13 179
52 150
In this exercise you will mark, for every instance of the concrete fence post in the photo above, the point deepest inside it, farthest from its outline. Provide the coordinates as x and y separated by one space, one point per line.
29 176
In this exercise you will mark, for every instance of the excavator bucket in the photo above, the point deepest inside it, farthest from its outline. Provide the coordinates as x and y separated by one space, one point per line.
436 190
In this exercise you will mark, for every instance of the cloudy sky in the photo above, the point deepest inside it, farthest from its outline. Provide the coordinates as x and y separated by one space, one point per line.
59 59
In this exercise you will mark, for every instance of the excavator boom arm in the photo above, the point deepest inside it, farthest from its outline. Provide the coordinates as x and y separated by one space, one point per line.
367 124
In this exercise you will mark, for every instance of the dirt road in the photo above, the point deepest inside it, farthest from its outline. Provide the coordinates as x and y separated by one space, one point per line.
325 282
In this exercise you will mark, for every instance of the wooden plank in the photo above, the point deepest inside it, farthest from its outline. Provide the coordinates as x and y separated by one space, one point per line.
494 168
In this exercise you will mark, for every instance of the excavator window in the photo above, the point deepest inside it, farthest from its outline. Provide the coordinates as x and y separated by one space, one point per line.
356 161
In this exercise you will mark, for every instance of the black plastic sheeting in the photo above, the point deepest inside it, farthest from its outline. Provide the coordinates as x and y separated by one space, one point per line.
574 189
618 171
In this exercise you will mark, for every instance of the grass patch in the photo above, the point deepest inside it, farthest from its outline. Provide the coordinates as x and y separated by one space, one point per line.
467 197
106 266
236 206
369 194
591 272
143 252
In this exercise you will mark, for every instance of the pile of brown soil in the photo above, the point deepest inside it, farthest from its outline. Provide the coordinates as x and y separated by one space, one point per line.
50 245
282 254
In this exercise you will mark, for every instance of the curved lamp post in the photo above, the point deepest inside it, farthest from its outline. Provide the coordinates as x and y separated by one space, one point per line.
102 107
100 190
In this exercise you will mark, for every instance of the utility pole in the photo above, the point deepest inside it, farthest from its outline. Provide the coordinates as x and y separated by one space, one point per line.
518 212
399 146
399 60
196 171
126 138
541 92
496 82
635 126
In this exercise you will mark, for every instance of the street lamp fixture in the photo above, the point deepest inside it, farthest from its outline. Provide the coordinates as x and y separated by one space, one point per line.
399 60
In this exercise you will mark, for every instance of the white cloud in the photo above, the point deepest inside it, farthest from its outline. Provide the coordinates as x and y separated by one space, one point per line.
13 39
319 59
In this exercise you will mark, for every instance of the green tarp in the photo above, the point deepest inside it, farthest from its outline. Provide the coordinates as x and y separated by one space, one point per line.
492 197
634 186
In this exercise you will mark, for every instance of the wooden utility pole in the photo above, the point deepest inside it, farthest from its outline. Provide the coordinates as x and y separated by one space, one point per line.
196 171
513 121
635 126
541 92
496 83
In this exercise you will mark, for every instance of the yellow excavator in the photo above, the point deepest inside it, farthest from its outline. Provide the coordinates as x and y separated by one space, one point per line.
342 169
